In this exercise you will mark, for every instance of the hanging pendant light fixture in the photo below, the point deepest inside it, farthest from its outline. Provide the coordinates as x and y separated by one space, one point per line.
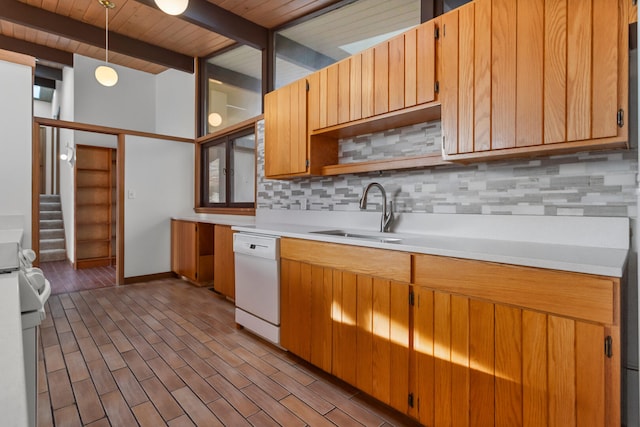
105 75
172 7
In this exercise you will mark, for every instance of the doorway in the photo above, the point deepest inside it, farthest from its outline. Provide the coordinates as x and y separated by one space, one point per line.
90 182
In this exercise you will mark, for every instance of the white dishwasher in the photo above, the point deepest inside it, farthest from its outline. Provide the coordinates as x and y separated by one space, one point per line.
257 268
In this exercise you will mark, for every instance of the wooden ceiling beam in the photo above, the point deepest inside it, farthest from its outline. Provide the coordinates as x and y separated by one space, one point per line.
214 18
40 19
36 50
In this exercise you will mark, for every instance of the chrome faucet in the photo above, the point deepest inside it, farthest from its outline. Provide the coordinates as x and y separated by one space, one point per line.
387 216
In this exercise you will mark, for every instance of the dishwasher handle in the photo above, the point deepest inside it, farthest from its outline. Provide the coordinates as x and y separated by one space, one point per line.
255 245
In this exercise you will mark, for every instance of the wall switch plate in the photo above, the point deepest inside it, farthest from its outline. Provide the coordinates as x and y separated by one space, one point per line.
131 194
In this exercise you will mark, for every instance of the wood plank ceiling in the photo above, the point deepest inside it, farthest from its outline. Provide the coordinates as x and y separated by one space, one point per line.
136 26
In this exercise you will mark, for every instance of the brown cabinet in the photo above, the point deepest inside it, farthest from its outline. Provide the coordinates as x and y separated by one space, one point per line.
338 314
95 207
504 345
286 140
192 248
524 80
285 130
456 342
223 262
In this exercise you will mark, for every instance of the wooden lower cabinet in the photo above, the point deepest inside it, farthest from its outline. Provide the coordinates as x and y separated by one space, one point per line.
224 280
192 248
475 348
349 323
479 362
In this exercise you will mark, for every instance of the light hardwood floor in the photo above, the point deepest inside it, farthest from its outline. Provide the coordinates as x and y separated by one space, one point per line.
167 353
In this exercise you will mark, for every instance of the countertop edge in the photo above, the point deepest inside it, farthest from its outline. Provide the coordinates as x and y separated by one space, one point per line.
518 256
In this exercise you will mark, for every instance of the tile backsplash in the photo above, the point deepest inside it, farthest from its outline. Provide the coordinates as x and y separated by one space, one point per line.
598 183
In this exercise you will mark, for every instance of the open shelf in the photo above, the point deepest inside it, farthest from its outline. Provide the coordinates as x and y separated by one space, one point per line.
385 164
392 120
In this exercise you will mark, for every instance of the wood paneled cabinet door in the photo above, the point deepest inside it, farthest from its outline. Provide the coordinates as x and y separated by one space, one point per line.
396 74
480 363
520 80
184 248
306 328
501 345
351 324
192 251
224 280
285 131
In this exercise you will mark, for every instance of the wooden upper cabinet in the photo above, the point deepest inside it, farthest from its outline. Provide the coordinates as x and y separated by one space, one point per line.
391 76
516 80
285 130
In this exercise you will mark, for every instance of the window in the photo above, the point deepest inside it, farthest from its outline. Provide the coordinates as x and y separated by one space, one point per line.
321 41
234 88
228 171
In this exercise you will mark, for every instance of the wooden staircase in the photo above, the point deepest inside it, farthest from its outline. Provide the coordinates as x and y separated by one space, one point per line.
52 243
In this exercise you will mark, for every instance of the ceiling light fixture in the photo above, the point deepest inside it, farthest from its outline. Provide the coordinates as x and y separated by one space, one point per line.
215 119
172 7
105 75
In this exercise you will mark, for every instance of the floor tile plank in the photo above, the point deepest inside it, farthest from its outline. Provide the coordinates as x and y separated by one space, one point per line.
272 407
237 399
147 415
129 387
197 411
261 419
53 358
68 342
305 412
118 412
137 365
197 384
227 413
67 417
60 391
167 375
162 399
45 416
308 396
101 376
182 421
88 402
76 367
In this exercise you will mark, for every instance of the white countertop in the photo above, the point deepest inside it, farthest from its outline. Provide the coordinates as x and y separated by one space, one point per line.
586 245
13 396
219 219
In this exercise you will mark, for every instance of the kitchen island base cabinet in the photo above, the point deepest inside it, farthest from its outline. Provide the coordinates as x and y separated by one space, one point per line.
456 342
192 251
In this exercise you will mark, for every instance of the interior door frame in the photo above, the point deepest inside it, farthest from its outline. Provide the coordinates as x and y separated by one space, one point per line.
120 159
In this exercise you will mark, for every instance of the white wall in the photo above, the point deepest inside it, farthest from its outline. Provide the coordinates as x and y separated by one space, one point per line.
130 104
160 176
175 104
64 100
42 109
161 172
16 110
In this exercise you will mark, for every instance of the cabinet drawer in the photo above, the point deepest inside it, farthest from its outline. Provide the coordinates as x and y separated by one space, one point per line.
393 265
574 295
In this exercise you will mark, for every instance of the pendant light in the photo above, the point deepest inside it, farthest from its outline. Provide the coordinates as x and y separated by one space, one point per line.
105 75
172 7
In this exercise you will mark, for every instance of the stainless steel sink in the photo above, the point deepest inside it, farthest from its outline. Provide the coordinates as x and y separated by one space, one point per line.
373 237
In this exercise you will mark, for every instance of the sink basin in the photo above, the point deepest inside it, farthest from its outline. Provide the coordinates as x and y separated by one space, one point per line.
373 237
